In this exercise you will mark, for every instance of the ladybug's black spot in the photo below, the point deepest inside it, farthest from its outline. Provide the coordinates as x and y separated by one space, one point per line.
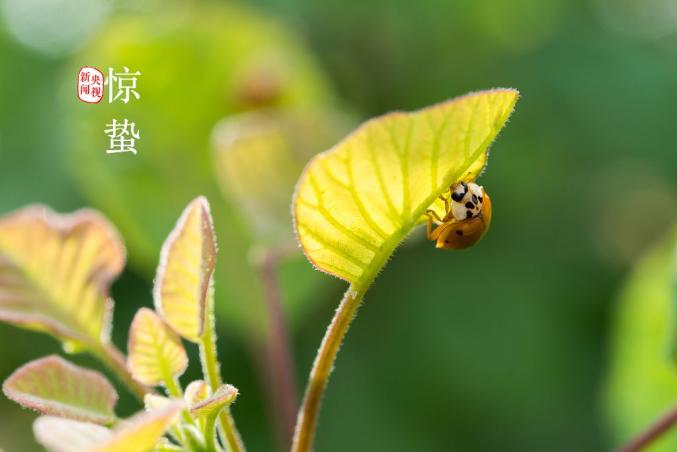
456 196
469 205
468 214
459 232
480 199
474 199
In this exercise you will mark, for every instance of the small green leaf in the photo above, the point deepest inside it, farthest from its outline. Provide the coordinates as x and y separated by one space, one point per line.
357 201
142 431
52 385
155 353
224 396
55 271
58 434
184 274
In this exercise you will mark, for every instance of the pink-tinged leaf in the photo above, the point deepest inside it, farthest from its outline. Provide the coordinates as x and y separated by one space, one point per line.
155 353
154 401
142 431
196 392
224 396
55 271
184 274
58 434
52 385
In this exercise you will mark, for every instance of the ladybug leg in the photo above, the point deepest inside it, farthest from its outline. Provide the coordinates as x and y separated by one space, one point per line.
446 203
432 214
429 229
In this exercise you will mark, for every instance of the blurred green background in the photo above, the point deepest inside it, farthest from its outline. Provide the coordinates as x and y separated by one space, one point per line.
505 346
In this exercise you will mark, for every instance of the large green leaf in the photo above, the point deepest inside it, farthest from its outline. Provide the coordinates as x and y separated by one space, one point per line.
54 386
357 201
55 271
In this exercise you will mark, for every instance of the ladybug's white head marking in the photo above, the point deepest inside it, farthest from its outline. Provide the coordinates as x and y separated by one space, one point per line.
466 200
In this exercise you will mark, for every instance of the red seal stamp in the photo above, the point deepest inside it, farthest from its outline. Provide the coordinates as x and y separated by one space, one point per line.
90 85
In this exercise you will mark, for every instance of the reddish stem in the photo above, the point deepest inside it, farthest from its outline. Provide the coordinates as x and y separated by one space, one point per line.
662 425
282 387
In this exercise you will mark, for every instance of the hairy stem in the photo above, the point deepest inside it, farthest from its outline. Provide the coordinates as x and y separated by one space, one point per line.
210 433
662 425
281 381
211 371
322 367
115 361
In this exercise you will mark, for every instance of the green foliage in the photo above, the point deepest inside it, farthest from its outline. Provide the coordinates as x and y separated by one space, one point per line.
76 399
642 381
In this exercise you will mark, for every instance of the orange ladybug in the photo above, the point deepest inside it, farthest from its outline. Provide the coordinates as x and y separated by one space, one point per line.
466 220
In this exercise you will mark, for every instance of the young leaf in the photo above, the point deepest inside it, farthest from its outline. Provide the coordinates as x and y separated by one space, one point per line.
55 271
196 392
357 201
52 385
57 434
184 274
142 431
155 353
224 396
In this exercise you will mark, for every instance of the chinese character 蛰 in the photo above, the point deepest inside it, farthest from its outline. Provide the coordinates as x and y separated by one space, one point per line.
123 136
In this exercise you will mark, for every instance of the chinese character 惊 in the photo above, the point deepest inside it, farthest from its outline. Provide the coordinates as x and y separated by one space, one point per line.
122 85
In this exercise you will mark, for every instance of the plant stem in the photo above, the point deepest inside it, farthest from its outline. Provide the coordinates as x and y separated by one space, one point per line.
115 361
653 432
174 390
322 367
281 381
210 369
210 433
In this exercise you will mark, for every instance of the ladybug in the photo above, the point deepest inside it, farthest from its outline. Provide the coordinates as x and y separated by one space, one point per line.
466 220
